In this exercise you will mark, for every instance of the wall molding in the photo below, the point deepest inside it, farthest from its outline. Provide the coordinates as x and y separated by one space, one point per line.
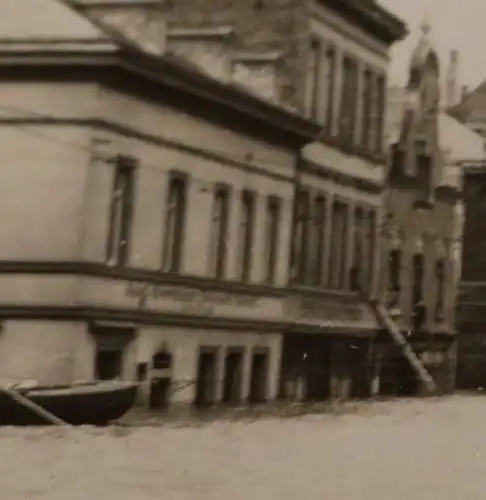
134 318
155 277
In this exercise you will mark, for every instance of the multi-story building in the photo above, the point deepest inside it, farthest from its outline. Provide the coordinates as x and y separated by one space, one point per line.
423 225
146 215
471 373
326 61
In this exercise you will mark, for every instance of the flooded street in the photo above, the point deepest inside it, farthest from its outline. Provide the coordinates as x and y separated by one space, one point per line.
424 449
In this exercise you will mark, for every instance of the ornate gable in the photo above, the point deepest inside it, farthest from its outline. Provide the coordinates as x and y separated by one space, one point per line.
417 148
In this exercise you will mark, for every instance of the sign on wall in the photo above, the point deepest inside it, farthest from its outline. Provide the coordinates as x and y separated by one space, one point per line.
190 300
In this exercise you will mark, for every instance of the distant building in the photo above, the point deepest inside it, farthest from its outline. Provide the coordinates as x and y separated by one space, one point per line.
467 150
423 225
472 297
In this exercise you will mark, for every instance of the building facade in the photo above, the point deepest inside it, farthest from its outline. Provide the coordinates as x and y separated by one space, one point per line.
325 61
422 232
471 372
146 217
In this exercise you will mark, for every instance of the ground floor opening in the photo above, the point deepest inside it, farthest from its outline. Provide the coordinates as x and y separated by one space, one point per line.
233 375
398 378
471 357
322 367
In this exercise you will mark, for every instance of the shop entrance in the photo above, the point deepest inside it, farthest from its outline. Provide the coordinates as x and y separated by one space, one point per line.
305 367
233 369
206 377
258 376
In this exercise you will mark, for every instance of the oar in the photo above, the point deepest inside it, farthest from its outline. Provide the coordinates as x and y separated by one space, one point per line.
34 407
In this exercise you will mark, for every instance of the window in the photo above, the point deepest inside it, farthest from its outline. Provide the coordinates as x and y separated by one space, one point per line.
369 236
338 245
330 73
318 240
174 223
301 236
380 112
121 210
357 270
247 224
271 235
418 277
419 311
367 106
372 132
347 116
314 79
440 272
219 231
394 278
108 365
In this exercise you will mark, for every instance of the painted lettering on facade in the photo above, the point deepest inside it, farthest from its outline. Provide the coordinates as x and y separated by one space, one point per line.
190 300
328 312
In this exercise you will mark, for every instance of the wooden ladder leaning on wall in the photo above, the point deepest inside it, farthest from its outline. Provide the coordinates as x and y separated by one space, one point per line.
384 318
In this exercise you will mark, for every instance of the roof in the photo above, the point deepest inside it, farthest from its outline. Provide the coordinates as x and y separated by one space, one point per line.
459 142
59 26
44 19
473 105
41 24
373 16
460 146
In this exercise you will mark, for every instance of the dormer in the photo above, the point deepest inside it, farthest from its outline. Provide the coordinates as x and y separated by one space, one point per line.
209 48
258 73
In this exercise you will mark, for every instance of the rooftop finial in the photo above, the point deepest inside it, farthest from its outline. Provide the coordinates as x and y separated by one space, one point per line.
425 26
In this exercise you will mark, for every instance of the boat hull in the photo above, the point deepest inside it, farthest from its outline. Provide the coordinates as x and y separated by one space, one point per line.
89 404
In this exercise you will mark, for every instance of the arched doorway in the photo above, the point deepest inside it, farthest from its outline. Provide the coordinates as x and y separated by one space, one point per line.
161 378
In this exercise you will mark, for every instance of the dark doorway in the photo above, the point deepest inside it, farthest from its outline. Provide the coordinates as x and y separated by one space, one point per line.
258 377
360 357
161 382
111 343
233 368
159 393
318 369
408 382
108 364
206 378
305 367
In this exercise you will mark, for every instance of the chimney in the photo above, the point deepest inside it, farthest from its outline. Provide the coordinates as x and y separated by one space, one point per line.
451 97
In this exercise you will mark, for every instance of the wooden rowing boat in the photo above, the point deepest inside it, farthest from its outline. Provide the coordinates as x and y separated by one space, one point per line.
89 403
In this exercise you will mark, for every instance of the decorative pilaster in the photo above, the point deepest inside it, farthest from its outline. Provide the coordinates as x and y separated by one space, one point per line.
338 84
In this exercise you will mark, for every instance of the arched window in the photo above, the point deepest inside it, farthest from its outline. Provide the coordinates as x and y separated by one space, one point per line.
162 359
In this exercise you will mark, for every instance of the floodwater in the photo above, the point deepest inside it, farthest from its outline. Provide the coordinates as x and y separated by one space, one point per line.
420 449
